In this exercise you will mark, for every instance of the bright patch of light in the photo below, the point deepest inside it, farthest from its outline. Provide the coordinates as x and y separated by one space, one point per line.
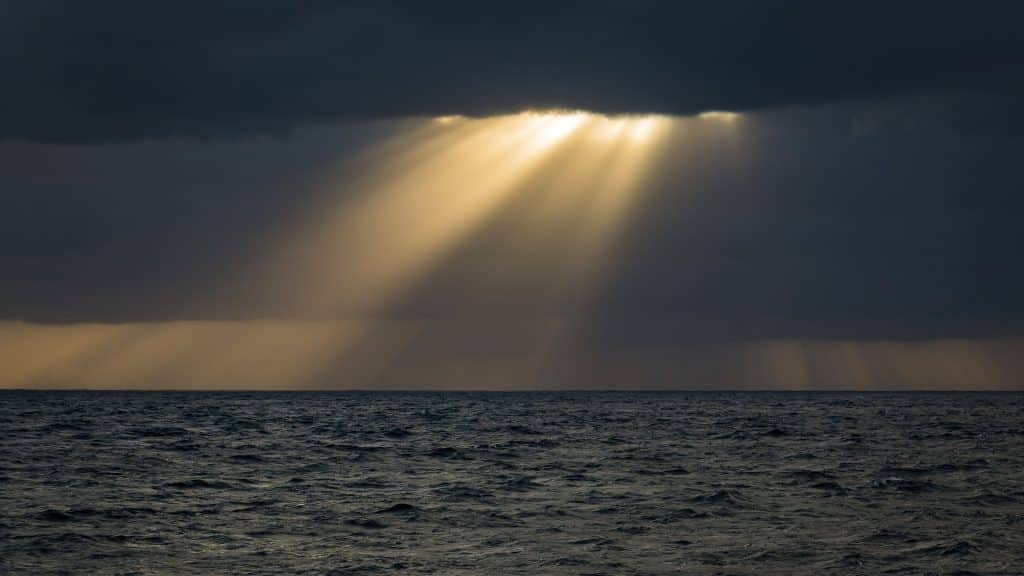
719 115
642 129
553 128
610 129
449 119
562 178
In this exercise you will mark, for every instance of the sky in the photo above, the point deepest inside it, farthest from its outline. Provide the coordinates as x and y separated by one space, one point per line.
511 195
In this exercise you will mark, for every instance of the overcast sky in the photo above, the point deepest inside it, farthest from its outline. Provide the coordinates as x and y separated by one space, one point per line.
152 155
115 70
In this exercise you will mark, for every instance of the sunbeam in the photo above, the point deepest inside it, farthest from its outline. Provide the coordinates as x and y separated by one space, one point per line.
471 214
375 238
398 221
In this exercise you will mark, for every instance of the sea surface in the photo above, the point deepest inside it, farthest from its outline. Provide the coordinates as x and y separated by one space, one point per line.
511 483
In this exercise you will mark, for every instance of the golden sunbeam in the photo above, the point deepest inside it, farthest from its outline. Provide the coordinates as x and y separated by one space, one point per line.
556 203
572 214
386 221
402 222
407 215
602 214
624 176
403 216
247 355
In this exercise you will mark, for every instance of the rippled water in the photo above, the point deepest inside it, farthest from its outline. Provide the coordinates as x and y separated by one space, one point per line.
545 483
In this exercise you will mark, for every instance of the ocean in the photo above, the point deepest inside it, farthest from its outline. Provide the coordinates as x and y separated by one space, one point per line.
588 483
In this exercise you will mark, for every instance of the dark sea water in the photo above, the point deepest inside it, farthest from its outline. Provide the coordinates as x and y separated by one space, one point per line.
532 483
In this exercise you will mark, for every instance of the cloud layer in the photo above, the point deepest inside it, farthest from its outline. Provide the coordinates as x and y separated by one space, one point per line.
115 70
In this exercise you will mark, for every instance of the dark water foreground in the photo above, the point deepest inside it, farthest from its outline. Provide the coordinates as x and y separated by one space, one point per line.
589 483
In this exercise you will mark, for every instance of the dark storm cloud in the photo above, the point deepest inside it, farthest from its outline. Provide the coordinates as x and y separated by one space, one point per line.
104 70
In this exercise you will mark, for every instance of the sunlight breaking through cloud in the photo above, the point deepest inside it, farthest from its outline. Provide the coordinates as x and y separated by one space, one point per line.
555 188
541 201
397 224
720 116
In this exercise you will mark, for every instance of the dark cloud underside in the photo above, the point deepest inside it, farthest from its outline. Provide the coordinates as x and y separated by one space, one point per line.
115 70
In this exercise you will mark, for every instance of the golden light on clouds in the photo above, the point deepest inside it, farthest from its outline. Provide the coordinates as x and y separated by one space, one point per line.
386 221
545 196
559 184
277 354
720 116
554 191
167 354
451 119
373 240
